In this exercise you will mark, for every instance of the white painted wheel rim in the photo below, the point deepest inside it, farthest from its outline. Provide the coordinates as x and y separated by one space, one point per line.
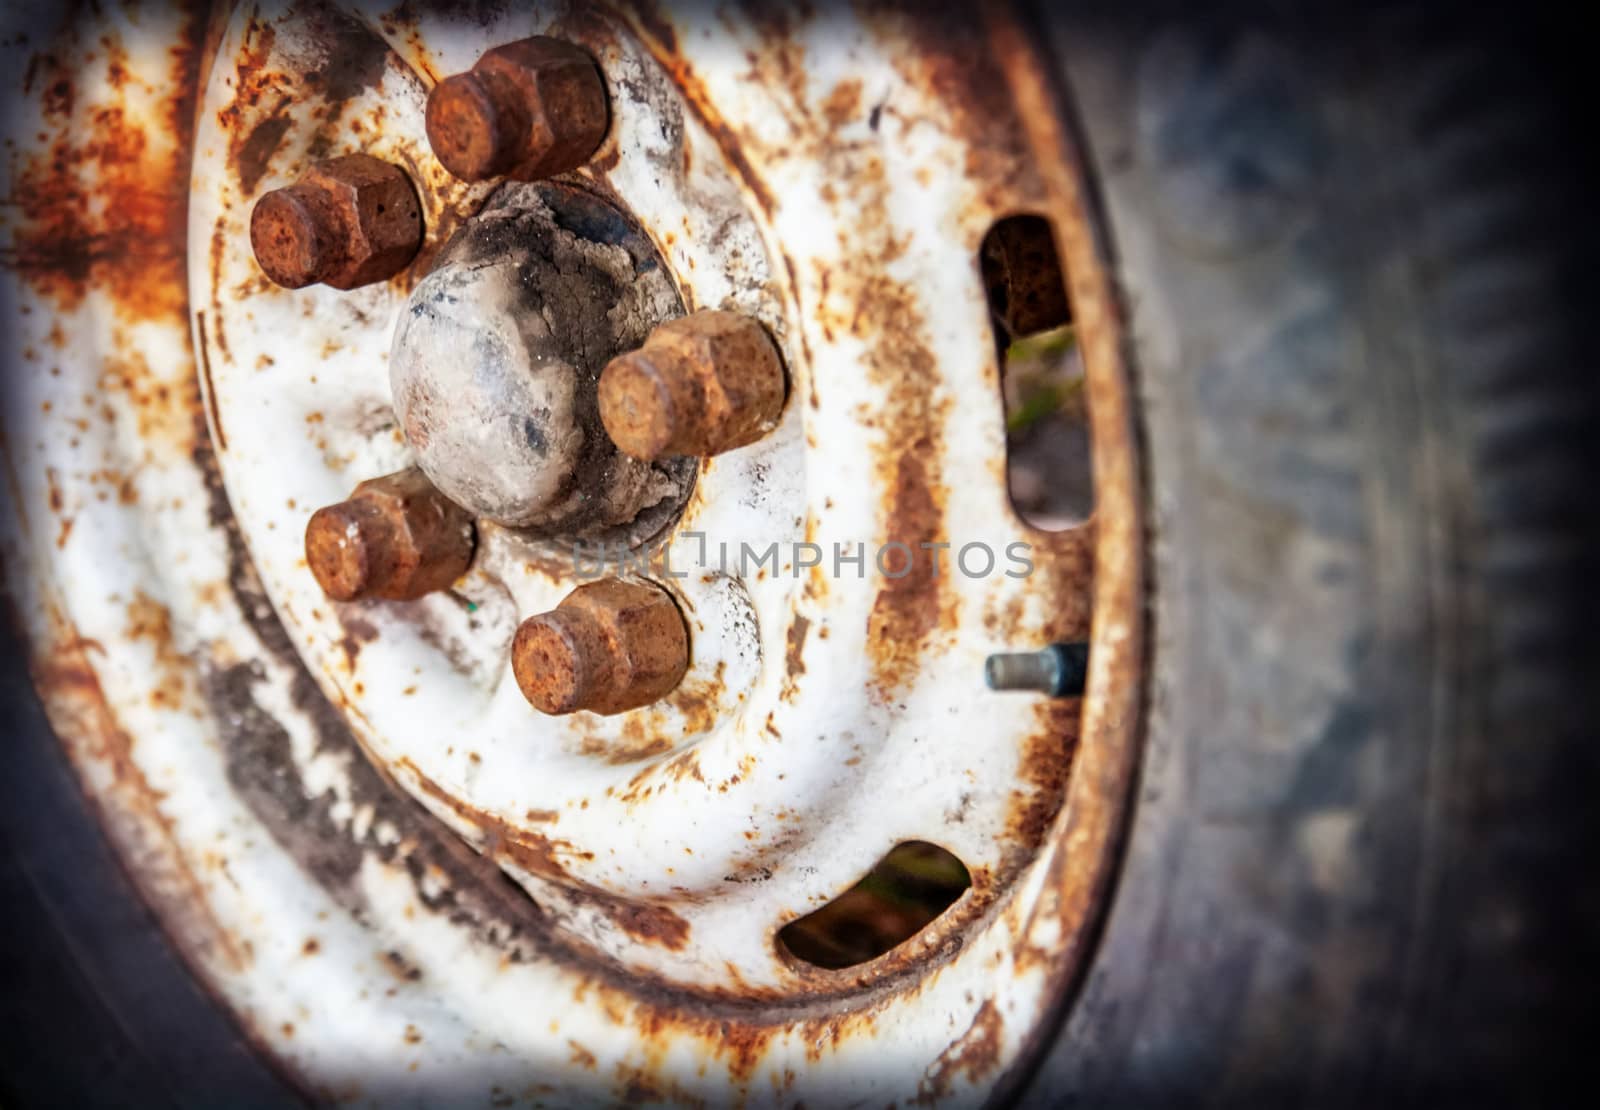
811 762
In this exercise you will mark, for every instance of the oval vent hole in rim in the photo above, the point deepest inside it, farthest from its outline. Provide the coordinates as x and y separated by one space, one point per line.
905 891
1048 471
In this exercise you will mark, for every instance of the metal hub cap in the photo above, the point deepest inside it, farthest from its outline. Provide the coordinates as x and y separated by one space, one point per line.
772 672
497 359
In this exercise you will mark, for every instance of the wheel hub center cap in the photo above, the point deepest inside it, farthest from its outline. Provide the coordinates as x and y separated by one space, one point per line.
498 354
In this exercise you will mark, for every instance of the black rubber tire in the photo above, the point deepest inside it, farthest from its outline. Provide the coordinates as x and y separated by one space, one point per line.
96 1008
1355 872
1353 259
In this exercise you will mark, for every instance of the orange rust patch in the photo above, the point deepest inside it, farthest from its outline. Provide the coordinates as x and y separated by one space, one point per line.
647 923
794 657
150 620
662 42
250 152
843 103
164 403
1046 761
909 608
105 207
651 924
539 855
582 1056
952 60
884 315
401 968
654 730
357 631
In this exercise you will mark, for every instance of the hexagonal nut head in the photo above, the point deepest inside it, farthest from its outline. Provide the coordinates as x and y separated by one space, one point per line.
347 222
527 110
700 385
610 646
395 538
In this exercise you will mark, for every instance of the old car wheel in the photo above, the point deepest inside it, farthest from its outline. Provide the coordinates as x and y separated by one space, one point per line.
520 524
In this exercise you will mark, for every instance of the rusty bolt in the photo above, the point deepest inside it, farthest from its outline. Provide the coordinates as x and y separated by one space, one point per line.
610 646
701 385
347 222
396 538
528 110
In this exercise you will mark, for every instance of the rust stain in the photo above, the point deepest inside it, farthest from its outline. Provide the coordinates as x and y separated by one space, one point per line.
105 205
582 1056
253 153
689 710
538 855
219 250
909 608
150 620
651 924
164 400
70 689
951 57
794 657
204 354
396 964
656 32
843 103
974 1055
357 631
864 301
1047 757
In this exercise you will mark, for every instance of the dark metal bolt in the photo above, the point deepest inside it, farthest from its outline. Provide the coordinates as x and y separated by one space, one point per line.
1058 670
395 538
347 222
701 385
527 110
610 646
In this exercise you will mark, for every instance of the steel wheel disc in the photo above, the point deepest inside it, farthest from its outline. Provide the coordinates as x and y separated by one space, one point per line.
323 800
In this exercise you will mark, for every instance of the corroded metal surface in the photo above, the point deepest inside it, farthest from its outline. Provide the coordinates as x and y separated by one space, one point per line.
702 385
348 222
396 538
610 646
175 417
528 110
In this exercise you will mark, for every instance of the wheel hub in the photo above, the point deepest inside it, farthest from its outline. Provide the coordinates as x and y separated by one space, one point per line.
497 358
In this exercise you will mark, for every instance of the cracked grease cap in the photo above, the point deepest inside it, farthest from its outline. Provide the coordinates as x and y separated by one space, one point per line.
497 357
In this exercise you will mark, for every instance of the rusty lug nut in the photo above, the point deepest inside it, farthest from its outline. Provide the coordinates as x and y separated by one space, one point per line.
610 646
700 385
396 538
528 110
347 222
